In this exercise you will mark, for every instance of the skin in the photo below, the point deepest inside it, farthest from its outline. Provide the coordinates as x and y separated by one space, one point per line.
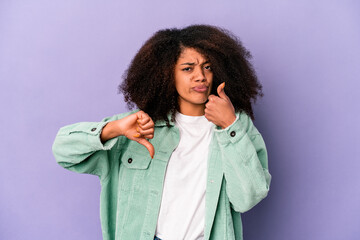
137 127
193 82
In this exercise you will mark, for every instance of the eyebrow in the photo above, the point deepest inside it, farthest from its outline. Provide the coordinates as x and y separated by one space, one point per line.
192 63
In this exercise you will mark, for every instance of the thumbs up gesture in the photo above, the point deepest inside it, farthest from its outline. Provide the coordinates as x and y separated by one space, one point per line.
219 110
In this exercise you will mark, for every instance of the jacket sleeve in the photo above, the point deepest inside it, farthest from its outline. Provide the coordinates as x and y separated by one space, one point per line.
78 148
245 164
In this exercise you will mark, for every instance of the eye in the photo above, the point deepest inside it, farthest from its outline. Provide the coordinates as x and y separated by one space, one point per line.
187 69
207 67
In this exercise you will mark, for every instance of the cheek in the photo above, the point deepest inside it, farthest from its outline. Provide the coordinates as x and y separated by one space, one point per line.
210 79
180 89
178 83
181 83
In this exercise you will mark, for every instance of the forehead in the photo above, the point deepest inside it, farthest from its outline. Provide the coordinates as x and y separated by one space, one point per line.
191 55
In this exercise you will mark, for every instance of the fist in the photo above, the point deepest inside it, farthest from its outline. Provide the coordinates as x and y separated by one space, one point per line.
219 110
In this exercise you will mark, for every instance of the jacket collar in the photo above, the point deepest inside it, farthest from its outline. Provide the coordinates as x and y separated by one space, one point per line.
161 123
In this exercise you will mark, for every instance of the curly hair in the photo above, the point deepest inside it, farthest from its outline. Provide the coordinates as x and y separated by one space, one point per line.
150 84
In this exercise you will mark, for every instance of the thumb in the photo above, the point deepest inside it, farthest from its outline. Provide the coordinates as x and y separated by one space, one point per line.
148 146
221 92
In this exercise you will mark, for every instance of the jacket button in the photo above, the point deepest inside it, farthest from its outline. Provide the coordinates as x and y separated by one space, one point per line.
130 160
93 129
233 133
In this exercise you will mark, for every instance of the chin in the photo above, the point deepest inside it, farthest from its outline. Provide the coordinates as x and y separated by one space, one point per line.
196 100
199 100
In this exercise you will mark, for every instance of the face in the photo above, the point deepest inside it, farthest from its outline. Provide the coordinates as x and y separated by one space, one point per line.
193 81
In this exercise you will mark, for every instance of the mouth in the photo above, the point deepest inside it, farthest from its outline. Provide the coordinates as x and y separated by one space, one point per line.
200 88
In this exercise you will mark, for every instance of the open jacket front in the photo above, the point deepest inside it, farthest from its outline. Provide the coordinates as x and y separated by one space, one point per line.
131 182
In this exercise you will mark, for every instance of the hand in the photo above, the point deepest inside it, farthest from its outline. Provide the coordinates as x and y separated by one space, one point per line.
137 127
219 110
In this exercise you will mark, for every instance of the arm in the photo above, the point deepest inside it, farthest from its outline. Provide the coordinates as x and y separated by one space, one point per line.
243 153
245 166
78 148
82 147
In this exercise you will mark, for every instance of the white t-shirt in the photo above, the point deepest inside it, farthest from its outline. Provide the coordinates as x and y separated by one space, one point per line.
182 211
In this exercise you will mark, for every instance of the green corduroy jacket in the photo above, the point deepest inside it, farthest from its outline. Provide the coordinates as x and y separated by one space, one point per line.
131 182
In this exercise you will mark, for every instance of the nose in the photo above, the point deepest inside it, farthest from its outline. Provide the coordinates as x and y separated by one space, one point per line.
199 75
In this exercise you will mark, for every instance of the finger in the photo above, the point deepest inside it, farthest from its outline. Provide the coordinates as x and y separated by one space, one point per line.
209 112
148 146
146 131
136 135
139 115
212 103
143 134
149 136
147 125
209 117
143 118
208 106
211 98
221 92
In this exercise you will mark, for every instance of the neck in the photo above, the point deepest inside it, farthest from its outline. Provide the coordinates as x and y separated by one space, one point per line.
197 110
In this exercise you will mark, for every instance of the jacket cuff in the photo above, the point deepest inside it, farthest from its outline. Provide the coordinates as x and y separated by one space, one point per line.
93 131
232 133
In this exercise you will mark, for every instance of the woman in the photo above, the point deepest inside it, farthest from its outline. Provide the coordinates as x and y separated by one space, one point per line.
190 160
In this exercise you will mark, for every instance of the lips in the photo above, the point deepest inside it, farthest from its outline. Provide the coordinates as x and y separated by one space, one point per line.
200 88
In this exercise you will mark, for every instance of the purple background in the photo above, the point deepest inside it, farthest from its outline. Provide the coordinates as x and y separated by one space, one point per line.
61 62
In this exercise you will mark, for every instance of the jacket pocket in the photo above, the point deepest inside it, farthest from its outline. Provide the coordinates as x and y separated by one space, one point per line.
135 160
134 170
